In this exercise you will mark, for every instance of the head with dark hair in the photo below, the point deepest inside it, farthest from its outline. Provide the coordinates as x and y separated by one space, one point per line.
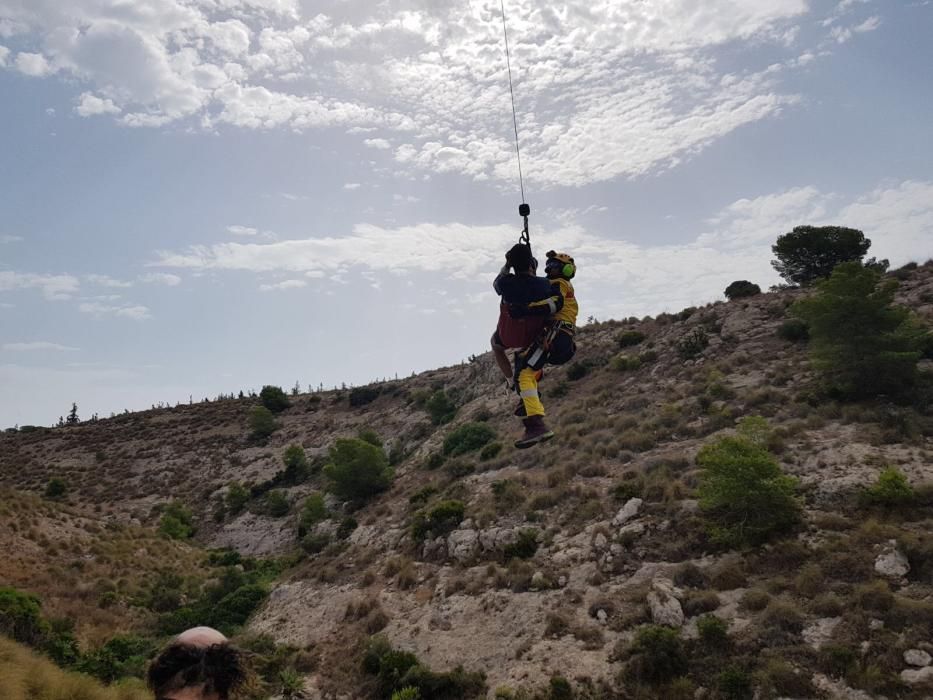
520 258
198 666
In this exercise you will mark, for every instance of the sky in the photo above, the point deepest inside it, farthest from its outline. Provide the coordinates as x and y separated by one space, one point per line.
203 196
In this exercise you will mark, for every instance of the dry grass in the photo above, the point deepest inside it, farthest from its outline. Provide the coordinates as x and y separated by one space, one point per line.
26 676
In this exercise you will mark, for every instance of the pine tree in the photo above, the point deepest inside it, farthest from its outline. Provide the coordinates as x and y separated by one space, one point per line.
73 415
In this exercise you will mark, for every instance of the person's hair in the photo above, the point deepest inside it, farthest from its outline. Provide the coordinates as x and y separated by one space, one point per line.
519 257
220 669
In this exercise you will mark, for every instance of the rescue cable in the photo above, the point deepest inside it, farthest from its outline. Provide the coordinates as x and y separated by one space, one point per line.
524 210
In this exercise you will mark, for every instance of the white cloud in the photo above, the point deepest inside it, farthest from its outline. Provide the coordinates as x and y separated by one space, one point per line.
107 281
287 284
352 186
604 88
242 230
37 345
736 245
133 311
90 105
4 52
381 144
869 25
168 279
54 287
34 64
6 238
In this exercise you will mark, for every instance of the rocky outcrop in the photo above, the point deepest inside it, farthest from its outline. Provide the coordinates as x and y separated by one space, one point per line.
892 562
664 604
627 512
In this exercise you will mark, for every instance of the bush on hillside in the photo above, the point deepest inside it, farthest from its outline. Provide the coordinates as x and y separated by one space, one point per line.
861 343
577 370
439 520
274 399
741 289
275 504
891 490
362 395
628 338
312 512
658 656
809 253
397 671
236 497
745 496
261 423
468 438
21 617
440 408
625 363
297 467
177 522
692 344
56 488
794 330
119 657
357 469
524 547
370 436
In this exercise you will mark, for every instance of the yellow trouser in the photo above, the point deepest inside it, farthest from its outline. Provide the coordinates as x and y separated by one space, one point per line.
528 390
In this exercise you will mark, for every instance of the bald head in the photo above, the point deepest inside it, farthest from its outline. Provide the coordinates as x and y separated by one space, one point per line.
200 637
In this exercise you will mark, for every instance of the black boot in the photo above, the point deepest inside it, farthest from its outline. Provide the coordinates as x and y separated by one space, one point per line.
535 431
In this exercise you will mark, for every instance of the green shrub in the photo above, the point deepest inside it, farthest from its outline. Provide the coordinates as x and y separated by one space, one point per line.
234 609
357 470
741 289
838 660
439 520
625 363
440 408
261 423
370 436
467 438
362 395
275 504
398 671
297 467
658 656
312 512
490 451
56 488
315 542
745 496
236 498
408 693
176 522
274 399
794 330
119 657
692 344
860 342
891 490
629 338
21 617
734 684
577 370
524 547
560 689
714 632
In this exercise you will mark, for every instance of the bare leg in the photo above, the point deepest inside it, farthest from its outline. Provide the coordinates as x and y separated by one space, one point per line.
498 352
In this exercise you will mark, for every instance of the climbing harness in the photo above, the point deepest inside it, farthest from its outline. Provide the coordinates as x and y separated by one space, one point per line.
524 209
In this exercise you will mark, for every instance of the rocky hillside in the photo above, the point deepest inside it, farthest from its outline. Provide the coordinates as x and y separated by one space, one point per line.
561 553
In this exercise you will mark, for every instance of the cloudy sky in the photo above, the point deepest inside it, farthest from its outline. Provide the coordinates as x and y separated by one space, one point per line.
199 196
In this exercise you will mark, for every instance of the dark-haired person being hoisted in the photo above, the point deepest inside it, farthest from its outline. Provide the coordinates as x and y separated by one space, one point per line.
538 316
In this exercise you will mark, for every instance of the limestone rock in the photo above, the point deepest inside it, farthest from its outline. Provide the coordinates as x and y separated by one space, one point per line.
600 541
892 562
665 608
627 512
463 545
820 631
917 657
918 676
